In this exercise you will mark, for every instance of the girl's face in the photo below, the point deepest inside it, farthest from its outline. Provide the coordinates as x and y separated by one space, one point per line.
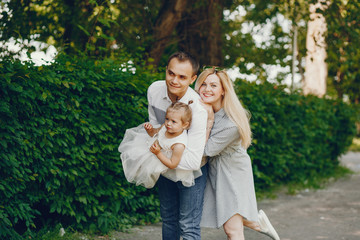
173 122
211 91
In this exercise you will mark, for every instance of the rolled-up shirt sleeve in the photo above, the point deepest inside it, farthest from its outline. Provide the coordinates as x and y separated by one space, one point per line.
220 140
192 156
152 117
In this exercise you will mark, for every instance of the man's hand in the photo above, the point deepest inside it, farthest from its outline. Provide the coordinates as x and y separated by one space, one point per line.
155 148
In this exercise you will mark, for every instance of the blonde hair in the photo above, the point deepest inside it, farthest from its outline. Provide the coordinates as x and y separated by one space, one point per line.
186 111
231 104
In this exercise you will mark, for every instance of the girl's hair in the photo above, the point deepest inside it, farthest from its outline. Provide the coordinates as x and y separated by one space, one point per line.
232 106
186 110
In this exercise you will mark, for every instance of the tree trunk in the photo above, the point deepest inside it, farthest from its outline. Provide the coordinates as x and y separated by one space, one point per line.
200 32
294 56
169 16
316 67
68 26
76 14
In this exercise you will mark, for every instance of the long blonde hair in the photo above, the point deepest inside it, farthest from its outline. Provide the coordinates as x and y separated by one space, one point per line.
231 104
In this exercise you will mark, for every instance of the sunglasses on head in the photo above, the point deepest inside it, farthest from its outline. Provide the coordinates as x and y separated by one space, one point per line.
214 68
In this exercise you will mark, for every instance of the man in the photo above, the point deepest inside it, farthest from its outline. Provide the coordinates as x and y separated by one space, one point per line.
180 206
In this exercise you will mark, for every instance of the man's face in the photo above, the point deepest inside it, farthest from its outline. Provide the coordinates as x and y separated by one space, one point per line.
179 75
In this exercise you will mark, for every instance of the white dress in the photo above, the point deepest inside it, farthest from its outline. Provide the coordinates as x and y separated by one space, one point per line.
141 166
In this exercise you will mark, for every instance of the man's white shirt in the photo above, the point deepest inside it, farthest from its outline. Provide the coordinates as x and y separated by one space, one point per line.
159 101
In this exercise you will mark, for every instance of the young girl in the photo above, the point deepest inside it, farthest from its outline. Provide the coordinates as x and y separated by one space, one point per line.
143 167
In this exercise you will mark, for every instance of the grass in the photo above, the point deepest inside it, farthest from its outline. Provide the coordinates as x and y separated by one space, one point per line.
319 181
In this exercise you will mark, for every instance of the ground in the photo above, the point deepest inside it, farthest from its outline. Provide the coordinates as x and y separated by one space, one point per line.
331 213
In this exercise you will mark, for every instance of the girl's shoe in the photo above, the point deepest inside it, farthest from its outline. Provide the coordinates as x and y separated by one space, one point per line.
266 227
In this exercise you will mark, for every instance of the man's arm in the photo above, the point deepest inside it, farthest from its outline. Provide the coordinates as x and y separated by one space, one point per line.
191 159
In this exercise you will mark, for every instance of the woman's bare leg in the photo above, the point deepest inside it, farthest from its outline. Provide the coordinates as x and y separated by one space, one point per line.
234 228
263 226
252 225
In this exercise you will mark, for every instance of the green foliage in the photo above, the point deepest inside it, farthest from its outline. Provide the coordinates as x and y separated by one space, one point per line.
355 146
254 35
297 139
100 28
60 129
343 40
61 125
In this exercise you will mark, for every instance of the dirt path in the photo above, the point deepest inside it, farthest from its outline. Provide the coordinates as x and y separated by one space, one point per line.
331 213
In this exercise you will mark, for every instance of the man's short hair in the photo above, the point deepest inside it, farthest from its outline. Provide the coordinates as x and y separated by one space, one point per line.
184 56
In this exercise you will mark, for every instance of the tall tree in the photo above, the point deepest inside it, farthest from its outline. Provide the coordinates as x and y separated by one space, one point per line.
252 35
168 18
316 67
200 31
102 28
343 41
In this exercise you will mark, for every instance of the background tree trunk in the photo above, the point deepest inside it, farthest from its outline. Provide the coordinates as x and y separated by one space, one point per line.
316 67
169 16
200 32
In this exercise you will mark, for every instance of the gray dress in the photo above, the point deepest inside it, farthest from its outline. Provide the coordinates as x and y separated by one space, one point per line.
230 184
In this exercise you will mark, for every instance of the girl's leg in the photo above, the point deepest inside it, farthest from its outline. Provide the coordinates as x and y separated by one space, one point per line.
234 228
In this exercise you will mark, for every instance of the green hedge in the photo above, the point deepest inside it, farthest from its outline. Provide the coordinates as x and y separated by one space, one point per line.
296 139
61 125
60 129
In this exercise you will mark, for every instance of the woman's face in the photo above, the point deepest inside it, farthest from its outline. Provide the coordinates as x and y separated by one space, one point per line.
211 91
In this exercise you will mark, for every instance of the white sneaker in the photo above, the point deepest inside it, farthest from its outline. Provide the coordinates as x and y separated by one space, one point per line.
266 227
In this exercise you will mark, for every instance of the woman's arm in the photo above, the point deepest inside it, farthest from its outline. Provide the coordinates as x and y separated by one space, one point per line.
220 140
210 119
177 151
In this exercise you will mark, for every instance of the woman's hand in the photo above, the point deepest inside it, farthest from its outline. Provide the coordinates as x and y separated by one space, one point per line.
209 110
210 121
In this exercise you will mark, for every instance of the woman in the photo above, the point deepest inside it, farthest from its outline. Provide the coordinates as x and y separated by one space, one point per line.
229 199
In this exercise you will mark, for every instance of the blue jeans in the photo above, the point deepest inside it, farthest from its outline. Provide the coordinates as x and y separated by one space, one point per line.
181 207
